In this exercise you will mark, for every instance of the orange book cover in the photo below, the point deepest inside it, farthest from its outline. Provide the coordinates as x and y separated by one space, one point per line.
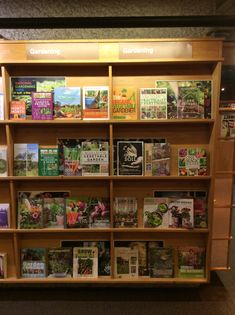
124 104
17 110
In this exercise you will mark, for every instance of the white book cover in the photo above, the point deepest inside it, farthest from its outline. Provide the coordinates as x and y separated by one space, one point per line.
156 213
3 161
181 213
153 103
126 262
85 262
1 106
95 102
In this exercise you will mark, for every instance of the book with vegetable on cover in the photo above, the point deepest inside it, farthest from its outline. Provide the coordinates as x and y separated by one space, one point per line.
156 212
124 103
192 162
95 102
153 103
60 262
85 262
67 103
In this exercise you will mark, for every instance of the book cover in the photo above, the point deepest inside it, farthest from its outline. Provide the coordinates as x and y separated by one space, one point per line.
54 212
227 128
192 162
4 215
85 262
3 265
48 161
60 262
190 102
17 110
95 102
77 215
124 103
126 262
48 84
181 213
161 159
42 106
161 262
3 161
2 116
33 262
95 158
130 158
125 212
25 159
156 212
153 103
67 103
191 262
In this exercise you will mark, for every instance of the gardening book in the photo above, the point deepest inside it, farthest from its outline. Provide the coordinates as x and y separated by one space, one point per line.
156 212
4 215
125 212
67 103
76 213
157 159
124 103
126 262
85 262
42 106
33 262
190 102
181 213
25 159
227 125
161 262
17 110
54 212
95 102
95 158
60 262
104 268
192 162
191 262
3 265
153 103
130 157
3 161
48 161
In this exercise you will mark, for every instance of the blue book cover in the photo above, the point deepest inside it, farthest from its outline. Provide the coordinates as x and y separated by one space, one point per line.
67 102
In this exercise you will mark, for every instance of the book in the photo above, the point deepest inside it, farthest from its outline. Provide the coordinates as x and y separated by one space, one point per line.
54 212
76 214
125 212
42 106
130 157
85 262
124 103
48 161
3 161
33 262
67 103
160 159
3 265
95 102
191 262
126 262
161 262
192 162
190 102
17 110
95 158
25 159
2 115
156 212
49 84
227 128
181 213
4 215
60 262
153 103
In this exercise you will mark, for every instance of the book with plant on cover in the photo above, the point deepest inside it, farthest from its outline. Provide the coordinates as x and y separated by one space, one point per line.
104 267
126 262
3 161
160 159
153 103
124 103
161 262
181 213
48 161
95 158
42 106
227 128
67 103
191 262
33 262
54 212
60 262
85 262
156 212
17 110
95 102
26 159
192 162
125 212
3 265
4 215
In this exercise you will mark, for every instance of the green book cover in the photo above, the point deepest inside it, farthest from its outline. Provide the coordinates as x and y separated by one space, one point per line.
48 161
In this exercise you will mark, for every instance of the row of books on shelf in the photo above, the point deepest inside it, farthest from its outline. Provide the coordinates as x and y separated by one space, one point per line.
169 209
91 259
82 157
46 98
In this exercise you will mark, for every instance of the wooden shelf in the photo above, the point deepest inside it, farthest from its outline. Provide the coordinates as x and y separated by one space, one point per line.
225 109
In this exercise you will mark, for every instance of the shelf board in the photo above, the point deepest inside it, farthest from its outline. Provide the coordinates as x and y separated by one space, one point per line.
6 231
226 109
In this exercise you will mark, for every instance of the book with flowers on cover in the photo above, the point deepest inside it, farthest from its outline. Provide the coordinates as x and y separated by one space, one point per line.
33 262
181 213
85 262
191 262
192 162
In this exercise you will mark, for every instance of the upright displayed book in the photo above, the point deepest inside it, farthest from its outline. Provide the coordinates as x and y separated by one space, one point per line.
17 110
33 262
48 161
191 262
125 212
161 262
124 103
60 262
3 161
3 265
126 262
192 162
42 106
181 213
156 212
54 210
227 128
4 215
85 262
26 159
153 103
157 159
67 103
2 115
95 102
